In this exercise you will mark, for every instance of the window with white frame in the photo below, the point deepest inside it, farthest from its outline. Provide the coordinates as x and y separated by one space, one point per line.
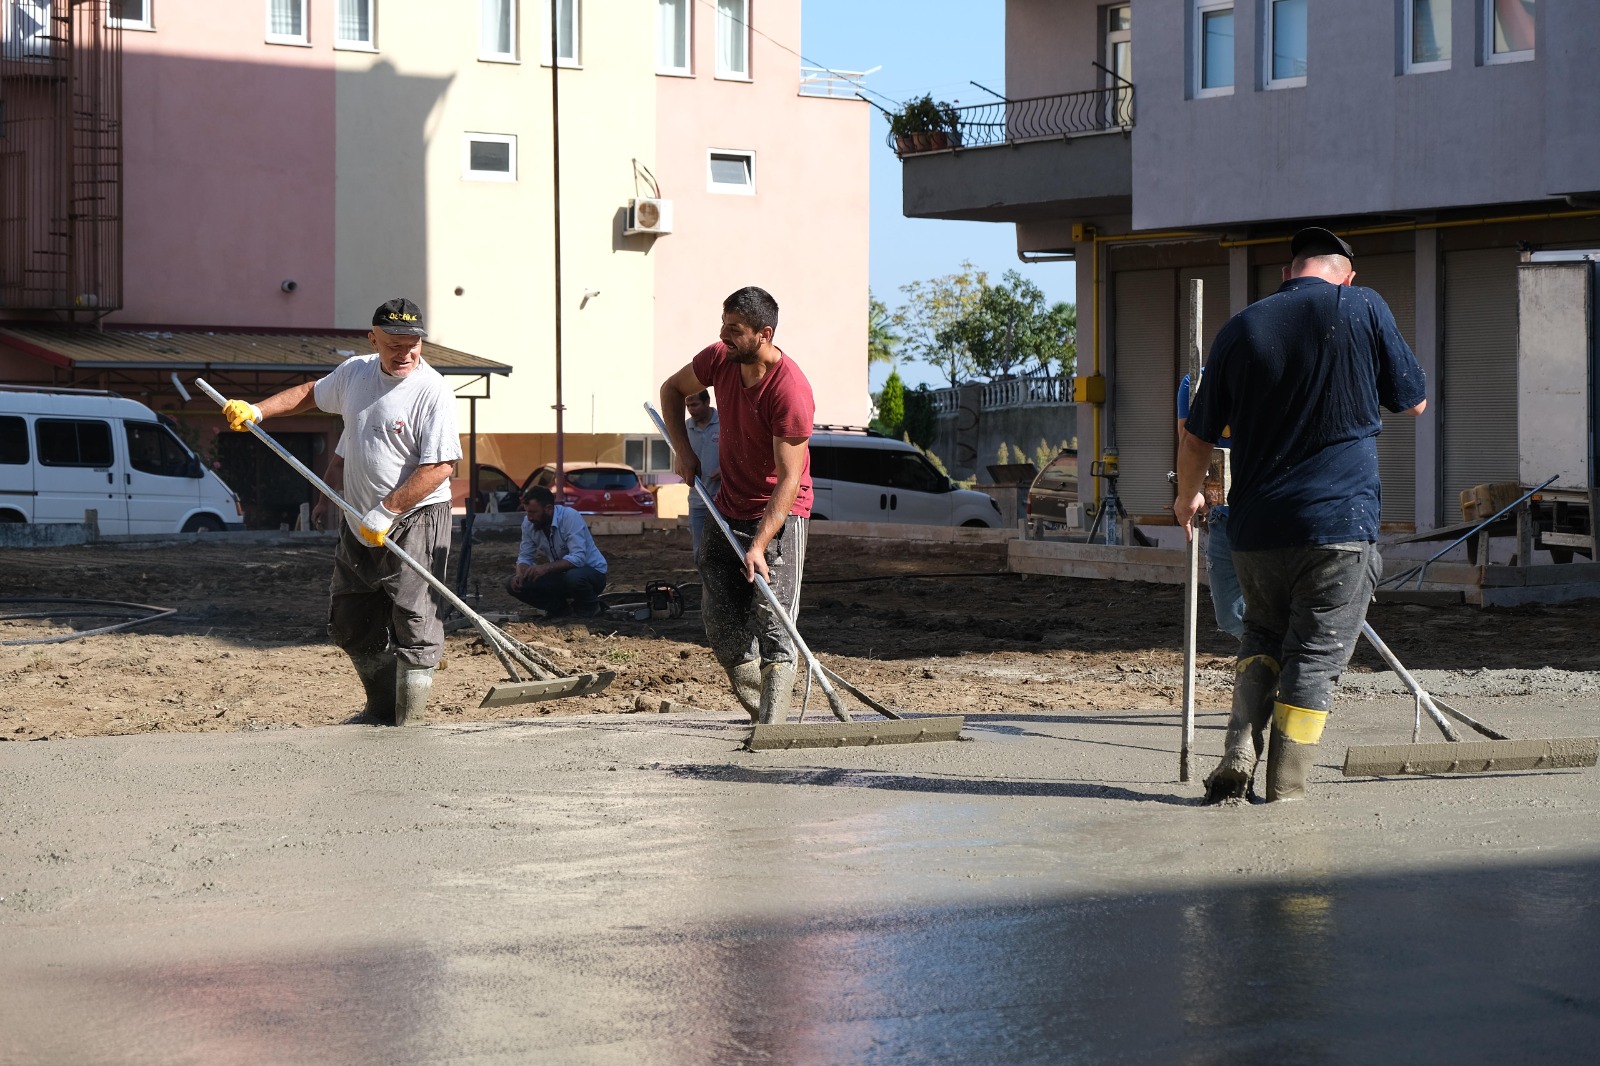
1509 30
733 39
131 14
286 22
731 171
354 25
489 157
497 30
26 31
1286 43
1213 44
674 31
568 32
1427 25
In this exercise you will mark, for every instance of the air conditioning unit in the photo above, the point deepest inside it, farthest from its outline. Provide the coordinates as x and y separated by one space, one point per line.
648 216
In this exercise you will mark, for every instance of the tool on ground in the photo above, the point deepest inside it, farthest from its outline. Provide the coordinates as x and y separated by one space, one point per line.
846 732
1457 756
545 680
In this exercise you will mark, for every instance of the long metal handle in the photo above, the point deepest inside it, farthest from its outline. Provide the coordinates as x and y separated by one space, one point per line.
491 636
1422 696
1191 607
765 589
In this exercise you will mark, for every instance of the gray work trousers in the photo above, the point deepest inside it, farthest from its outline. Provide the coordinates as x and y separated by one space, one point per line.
1303 608
375 599
739 622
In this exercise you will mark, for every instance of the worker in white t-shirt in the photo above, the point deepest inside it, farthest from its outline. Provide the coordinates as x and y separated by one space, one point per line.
398 448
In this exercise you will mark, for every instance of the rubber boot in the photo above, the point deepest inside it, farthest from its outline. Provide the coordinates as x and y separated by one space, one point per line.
412 686
746 678
1295 733
1255 683
377 672
777 692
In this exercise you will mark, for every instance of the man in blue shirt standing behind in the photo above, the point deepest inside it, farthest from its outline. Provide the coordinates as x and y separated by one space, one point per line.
559 569
1298 377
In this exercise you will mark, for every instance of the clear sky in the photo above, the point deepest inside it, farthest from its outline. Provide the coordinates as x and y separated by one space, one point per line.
923 46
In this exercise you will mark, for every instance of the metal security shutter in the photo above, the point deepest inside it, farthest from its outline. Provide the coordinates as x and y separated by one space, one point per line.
1144 387
1395 279
1478 372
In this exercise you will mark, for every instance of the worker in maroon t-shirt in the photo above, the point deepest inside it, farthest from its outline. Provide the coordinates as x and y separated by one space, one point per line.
767 409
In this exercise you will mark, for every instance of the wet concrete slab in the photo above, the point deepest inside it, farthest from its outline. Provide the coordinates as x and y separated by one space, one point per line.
637 890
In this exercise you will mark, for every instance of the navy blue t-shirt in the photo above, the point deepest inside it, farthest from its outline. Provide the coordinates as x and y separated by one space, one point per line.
1298 377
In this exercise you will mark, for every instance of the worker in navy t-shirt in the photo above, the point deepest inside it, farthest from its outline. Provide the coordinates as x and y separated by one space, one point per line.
766 408
1298 377
1227 602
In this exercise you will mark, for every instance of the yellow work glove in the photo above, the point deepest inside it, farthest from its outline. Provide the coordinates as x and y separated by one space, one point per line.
240 414
375 525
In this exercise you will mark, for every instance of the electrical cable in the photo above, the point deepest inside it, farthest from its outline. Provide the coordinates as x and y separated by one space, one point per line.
155 613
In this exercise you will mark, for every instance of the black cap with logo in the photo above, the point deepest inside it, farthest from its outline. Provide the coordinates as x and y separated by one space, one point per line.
400 317
1314 240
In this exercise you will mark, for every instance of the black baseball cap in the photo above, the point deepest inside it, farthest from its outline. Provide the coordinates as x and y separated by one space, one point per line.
400 316
1314 240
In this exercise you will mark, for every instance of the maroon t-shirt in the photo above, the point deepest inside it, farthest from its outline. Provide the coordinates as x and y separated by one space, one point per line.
780 405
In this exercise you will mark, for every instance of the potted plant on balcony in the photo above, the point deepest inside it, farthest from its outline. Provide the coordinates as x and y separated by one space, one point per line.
925 125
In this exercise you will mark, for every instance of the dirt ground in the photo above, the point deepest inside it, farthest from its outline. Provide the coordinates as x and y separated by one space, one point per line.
927 628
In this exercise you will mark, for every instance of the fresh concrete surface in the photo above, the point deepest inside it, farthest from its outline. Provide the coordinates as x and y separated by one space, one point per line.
635 889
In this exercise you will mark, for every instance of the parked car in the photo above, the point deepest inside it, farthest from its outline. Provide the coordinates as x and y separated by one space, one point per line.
66 451
497 490
598 488
1053 496
864 477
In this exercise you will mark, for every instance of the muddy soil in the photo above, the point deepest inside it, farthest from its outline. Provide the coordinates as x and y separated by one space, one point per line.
927 628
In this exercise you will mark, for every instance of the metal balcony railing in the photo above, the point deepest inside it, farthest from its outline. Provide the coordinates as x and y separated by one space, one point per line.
1033 119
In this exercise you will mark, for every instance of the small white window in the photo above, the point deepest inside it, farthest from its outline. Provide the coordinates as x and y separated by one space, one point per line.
489 157
497 31
1508 30
131 14
733 39
286 22
354 25
1286 43
1427 25
26 31
1213 44
731 171
674 31
568 17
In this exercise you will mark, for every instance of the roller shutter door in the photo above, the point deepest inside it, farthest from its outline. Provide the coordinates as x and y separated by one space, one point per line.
1144 387
1395 279
1478 372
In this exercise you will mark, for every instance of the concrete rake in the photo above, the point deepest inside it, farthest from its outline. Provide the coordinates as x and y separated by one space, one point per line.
545 680
1457 756
895 728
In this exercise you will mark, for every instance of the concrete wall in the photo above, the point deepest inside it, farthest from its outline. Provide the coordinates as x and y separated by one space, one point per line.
968 441
1052 44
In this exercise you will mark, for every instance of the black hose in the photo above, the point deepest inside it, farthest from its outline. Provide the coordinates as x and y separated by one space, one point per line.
154 614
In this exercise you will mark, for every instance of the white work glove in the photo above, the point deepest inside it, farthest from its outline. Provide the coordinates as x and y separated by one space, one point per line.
375 525
239 414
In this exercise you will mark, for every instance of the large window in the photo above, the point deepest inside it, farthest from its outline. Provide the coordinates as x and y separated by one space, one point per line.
731 171
497 31
25 30
733 38
568 31
1213 37
73 442
354 25
1509 32
13 440
489 157
1118 51
152 449
131 14
1427 35
286 22
1286 43
674 31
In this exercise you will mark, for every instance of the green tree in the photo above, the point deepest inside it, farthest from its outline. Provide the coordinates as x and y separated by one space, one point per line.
1010 328
930 309
921 419
883 342
891 406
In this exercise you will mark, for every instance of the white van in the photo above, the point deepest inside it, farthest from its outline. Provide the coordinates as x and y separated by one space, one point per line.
67 451
861 477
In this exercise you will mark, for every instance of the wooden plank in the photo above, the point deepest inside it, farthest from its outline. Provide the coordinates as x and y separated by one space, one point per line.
1528 594
1164 575
1426 597
1116 553
1566 540
854 734
1471 757
508 692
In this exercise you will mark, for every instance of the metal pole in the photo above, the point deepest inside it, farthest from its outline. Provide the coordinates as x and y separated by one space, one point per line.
1191 597
555 161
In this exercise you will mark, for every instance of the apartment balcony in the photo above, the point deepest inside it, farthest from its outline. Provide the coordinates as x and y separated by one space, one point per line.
1049 157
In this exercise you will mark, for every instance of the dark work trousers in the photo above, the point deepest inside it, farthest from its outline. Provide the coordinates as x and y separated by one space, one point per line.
575 591
739 622
376 600
1303 608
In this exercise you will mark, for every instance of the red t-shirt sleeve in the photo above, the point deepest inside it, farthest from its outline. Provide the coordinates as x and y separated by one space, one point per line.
706 362
793 410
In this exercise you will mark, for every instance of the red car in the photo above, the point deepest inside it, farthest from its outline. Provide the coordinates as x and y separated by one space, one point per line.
598 488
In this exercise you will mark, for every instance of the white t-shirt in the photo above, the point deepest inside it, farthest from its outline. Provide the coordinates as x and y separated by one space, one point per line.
391 426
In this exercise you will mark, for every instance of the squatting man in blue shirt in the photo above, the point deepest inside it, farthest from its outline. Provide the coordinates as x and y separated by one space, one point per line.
559 569
1298 378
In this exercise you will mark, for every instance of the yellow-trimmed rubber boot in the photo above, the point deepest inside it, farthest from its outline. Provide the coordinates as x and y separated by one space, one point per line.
1295 733
1255 684
746 679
